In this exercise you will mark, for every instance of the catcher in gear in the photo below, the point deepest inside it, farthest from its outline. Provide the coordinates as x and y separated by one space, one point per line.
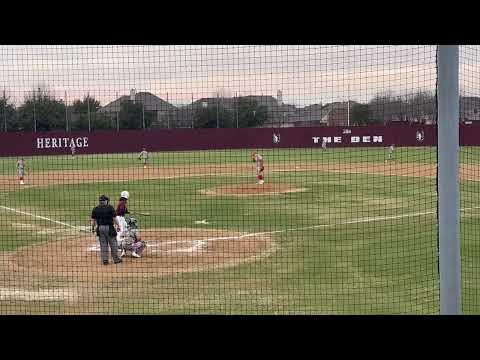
132 242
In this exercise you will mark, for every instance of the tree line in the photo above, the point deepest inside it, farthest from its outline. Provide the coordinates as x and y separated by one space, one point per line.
386 106
245 113
40 111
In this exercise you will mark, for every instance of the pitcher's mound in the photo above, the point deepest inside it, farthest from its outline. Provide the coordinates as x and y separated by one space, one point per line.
252 189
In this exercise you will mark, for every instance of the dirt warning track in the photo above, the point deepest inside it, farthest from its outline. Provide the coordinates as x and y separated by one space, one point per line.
468 172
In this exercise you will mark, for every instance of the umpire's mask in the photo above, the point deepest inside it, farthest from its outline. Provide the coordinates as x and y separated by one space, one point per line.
103 200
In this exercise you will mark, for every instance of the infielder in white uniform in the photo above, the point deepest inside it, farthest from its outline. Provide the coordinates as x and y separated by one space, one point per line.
391 150
144 156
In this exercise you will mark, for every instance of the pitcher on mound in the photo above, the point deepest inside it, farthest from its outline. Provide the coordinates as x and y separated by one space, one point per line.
21 165
258 160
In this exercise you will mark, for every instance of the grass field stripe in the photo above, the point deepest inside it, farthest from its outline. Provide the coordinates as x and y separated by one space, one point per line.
38 216
361 220
354 221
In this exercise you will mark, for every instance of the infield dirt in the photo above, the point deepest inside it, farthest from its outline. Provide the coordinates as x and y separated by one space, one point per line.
45 178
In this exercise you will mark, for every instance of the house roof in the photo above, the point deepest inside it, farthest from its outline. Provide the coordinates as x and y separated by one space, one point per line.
150 101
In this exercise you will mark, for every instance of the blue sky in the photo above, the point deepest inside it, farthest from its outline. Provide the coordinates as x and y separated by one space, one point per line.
305 74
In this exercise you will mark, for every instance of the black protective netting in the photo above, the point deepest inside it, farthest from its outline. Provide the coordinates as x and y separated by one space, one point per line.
469 176
275 179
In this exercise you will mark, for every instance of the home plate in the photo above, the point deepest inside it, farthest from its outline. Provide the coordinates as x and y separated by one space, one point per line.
204 222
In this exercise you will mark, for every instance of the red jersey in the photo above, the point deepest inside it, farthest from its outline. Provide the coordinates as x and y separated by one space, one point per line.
122 208
258 162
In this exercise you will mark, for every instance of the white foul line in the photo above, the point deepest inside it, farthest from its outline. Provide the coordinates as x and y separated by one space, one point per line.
354 221
39 217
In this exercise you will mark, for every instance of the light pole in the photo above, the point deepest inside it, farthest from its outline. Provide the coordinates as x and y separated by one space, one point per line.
168 114
88 112
236 108
34 118
191 112
5 116
66 113
348 106
118 122
217 111
5 110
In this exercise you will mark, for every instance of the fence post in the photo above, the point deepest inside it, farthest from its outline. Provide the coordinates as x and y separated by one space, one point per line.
118 109
66 112
448 180
5 110
34 116
168 113
88 111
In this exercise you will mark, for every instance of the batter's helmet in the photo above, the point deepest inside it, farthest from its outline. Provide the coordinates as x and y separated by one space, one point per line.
125 194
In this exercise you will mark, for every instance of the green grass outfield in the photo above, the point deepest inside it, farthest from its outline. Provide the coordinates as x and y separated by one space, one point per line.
378 254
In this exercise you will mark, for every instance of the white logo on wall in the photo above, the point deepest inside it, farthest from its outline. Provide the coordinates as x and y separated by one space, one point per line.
353 139
49 143
420 135
276 138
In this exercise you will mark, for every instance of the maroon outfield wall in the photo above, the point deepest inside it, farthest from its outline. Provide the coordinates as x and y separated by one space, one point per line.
57 143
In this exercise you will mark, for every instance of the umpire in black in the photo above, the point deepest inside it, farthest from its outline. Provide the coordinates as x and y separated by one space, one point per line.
103 217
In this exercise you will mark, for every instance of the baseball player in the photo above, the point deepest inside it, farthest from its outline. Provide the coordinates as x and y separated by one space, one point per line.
21 165
132 241
391 150
143 156
122 210
258 160
324 144
72 149
102 220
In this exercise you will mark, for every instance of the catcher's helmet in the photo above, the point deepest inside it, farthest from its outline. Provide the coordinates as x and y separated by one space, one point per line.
132 222
125 194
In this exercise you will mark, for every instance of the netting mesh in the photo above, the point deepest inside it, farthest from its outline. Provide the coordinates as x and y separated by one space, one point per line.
469 176
335 214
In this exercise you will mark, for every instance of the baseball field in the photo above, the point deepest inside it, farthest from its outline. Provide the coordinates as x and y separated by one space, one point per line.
341 231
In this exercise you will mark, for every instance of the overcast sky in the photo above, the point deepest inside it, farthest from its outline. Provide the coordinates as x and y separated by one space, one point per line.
305 74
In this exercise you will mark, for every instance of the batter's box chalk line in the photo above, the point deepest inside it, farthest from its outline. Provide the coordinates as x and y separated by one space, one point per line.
38 295
193 245
203 222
